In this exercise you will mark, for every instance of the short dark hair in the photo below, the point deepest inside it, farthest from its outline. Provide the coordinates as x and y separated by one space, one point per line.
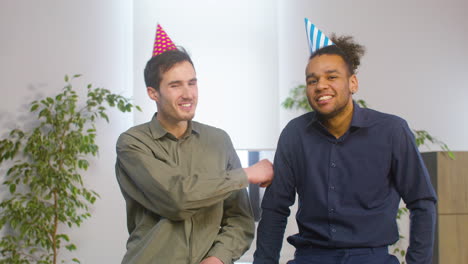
161 63
345 47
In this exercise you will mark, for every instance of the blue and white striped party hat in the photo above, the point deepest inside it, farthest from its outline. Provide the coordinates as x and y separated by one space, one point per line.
315 37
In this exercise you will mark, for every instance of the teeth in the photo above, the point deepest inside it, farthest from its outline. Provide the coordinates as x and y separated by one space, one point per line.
186 105
324 98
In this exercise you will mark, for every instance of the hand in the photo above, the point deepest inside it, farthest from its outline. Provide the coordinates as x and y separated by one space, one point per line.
260 173
211 260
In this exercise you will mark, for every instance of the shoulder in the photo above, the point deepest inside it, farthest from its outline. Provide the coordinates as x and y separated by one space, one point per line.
295 130
211 132
386 125
139 133
301 121
298 124
374 117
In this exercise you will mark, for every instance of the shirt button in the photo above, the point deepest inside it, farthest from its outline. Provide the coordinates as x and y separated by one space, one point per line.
333 230
331 210
332 187
333 165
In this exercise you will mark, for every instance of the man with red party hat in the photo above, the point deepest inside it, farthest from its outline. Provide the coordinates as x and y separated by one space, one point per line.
182 180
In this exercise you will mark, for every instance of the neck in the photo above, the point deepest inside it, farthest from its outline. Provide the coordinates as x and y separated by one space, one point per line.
339 124
178 129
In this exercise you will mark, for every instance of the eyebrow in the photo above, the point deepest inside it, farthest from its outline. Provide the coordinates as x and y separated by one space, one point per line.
175 82
312 75
179 81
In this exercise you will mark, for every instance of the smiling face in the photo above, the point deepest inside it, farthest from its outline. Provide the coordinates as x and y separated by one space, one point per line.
177 96
330 86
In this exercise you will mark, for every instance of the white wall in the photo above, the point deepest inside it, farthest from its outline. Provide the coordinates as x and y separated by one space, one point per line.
41 41
233 45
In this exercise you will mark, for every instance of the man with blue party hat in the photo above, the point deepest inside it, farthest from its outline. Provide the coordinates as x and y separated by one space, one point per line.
182 181
349 167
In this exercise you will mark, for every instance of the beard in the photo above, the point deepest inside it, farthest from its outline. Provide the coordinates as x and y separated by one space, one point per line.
323 116
330 115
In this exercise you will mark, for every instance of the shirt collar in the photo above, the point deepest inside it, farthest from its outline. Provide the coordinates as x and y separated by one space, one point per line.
360 118
158 131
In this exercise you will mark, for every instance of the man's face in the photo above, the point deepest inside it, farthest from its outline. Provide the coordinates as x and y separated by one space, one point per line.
329 86
178 94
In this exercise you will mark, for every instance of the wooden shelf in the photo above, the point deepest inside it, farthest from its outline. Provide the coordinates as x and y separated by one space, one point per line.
450 180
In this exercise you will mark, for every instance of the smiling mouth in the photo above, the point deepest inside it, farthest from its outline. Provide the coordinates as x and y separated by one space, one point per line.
186 105
323 98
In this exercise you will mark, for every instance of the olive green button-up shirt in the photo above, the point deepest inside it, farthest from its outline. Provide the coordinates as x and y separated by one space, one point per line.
186 198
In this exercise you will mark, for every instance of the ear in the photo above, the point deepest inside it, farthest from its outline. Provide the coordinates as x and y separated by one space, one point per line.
353 84
153 93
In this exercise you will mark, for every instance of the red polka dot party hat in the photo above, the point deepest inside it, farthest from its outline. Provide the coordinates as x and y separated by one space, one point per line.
162 42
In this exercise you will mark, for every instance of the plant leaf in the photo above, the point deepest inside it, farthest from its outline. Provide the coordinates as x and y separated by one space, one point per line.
12 188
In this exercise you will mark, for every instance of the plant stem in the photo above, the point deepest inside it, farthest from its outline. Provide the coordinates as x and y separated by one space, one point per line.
60 167
54 235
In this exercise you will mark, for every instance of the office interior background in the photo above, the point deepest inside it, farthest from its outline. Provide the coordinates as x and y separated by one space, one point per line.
248 55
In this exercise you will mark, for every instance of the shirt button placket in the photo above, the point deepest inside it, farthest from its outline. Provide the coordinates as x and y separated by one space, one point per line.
332 195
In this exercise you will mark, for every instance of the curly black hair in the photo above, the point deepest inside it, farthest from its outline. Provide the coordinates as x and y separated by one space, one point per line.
345 47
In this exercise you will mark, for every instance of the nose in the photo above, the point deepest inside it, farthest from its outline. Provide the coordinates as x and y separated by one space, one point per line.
189 91
322 84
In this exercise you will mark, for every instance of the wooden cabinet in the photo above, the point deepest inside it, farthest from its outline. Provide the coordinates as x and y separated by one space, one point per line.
450 180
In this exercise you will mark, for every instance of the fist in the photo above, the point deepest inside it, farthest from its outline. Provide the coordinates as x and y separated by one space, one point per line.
211 260
260 173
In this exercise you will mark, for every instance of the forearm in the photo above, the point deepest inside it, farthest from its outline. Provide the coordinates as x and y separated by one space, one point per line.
270 235
237 229
278 198
165 191
422 229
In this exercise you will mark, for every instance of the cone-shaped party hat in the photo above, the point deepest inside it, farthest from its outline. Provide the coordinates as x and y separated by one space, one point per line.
162 42
315 37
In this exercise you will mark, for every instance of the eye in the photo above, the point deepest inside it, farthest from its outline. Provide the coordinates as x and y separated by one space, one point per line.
332 77
311 82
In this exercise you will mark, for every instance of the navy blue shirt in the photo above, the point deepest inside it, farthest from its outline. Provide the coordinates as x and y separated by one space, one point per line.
348 188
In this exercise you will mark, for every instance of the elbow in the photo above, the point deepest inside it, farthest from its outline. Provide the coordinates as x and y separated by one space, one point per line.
424 206
178 211
178 215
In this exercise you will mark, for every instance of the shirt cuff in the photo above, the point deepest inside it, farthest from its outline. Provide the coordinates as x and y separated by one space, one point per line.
221 253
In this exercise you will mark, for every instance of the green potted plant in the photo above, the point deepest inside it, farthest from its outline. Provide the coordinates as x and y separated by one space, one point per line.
43 174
